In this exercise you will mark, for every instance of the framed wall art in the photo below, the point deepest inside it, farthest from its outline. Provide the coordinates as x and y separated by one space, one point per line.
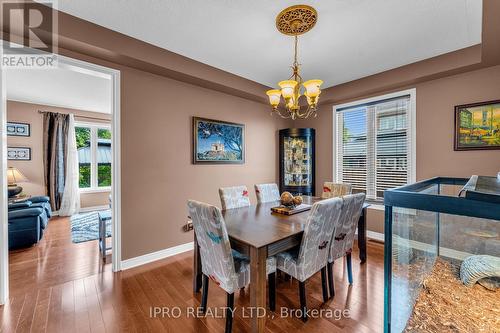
218 142
18 129
19 153
477 126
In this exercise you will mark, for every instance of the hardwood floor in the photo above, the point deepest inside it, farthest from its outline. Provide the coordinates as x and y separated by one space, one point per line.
54 260
58 286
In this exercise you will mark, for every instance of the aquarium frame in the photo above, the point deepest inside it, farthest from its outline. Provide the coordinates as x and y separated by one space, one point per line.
407 196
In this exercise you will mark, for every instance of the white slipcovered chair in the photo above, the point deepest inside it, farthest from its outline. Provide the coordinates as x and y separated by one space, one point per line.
333 190
312 255
267 192
343 237
229 269
234 197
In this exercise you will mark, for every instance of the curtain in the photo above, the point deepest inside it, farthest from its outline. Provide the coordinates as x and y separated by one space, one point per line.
55 136
70 203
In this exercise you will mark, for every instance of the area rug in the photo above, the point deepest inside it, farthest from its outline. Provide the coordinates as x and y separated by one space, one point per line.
85 227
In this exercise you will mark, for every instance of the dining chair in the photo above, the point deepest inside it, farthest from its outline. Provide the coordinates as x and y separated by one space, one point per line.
312 255
219 263
333 190
234 197
267 192
343 236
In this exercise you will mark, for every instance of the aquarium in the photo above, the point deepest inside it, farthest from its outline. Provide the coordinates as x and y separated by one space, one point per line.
431 227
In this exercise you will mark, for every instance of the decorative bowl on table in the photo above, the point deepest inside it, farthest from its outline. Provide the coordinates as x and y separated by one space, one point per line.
288 200
290 205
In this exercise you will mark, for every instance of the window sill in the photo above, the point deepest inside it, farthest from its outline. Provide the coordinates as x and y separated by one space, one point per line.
95 190
376 206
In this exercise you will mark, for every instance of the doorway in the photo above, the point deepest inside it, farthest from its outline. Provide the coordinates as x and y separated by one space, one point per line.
75 66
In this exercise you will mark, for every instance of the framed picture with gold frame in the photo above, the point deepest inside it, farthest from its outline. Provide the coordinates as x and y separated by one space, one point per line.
477 126
218 142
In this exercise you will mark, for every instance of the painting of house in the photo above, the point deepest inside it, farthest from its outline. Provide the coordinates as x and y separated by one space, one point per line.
217 141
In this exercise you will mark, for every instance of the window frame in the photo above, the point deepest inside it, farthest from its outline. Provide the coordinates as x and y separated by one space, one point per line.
411 128
94 127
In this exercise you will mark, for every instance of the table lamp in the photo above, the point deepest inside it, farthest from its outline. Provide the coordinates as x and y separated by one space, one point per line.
13 177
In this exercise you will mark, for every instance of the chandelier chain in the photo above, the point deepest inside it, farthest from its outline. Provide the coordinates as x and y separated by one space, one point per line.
295 63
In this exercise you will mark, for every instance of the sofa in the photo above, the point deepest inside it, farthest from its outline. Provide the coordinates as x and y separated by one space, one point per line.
27 221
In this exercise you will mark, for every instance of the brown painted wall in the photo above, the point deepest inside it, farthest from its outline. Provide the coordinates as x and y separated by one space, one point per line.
33 170
436 100
157 175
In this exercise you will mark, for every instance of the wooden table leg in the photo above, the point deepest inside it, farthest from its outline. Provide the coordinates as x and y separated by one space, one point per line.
258 288
362 236
197 273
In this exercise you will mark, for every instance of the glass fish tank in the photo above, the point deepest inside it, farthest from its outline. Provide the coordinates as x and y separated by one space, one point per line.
442 256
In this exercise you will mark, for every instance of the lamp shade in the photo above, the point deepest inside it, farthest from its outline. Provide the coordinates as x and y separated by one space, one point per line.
287 88
312 87
274 97
15 176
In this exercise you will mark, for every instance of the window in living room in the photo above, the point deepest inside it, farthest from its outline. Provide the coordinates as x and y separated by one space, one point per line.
93 142
374 143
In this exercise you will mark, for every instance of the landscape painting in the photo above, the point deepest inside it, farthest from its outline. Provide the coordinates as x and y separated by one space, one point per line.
218 142
477 126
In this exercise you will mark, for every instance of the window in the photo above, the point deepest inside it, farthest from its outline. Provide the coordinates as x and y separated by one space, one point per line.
374 148
93 142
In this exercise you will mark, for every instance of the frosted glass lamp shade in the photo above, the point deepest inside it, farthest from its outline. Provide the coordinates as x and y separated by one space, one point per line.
15 176
274 97
287 88
312 87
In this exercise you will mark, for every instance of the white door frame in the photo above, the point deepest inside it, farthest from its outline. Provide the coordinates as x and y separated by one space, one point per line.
84 67
4 234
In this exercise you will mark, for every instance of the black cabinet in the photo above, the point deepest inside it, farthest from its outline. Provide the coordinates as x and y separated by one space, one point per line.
297 174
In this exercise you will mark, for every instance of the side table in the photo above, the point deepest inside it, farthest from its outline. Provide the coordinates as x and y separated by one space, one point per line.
104 216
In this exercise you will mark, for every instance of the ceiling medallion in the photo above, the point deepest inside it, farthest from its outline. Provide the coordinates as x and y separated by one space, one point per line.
295 21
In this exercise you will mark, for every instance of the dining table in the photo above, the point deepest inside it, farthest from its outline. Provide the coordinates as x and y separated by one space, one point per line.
259 233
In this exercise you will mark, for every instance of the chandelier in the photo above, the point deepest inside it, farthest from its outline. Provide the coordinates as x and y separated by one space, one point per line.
295 21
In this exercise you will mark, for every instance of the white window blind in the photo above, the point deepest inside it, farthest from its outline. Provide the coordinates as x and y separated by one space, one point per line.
373 150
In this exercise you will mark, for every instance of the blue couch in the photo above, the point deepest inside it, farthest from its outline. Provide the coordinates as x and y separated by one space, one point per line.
27 221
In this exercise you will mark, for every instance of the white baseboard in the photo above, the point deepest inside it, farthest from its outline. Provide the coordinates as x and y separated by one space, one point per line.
375 235
154 256
93 208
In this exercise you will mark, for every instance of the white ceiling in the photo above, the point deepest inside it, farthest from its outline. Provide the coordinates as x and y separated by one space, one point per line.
352 39
60 87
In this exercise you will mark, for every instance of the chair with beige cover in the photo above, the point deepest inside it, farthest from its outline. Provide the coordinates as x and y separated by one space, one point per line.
333 190
312 255
267 192
219 263
343 236
234 197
